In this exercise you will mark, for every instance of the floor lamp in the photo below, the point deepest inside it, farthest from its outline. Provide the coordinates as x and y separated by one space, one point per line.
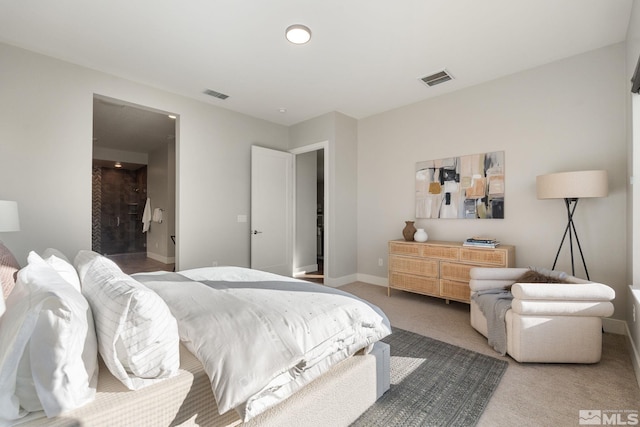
572 186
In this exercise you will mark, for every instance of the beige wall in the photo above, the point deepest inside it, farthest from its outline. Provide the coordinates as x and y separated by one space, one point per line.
564 116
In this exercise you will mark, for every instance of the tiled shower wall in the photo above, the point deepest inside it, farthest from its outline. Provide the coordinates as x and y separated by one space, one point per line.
118 203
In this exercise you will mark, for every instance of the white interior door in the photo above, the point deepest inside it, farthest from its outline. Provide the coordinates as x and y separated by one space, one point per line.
272 211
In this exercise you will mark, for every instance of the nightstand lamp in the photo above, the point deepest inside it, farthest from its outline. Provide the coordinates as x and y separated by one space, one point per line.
9 220
572 186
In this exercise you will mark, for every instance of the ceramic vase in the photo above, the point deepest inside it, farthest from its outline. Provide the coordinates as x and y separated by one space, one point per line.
408 231
420 235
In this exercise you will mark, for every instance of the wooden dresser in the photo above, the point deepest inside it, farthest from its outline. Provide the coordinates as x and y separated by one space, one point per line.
441 269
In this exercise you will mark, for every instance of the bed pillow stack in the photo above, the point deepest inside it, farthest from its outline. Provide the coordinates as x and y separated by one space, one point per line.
48 347
59 262
137 335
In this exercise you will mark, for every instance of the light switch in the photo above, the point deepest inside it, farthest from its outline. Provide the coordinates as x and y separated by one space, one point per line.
242 218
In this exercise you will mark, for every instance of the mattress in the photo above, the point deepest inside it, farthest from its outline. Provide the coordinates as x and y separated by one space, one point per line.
187 399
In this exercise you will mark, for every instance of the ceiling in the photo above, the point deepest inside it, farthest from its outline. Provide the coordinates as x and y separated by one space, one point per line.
124 127
365 56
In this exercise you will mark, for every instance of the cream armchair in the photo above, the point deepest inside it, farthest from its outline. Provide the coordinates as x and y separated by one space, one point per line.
550 323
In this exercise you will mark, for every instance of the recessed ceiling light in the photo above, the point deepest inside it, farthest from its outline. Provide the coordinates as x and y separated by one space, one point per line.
298 34
118 165
282 110
171 116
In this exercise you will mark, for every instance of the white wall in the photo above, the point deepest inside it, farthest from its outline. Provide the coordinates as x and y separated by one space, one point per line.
45 159
344 187
162 196
340 132
564 116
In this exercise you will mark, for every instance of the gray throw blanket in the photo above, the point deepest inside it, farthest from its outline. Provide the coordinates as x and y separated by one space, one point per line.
494 304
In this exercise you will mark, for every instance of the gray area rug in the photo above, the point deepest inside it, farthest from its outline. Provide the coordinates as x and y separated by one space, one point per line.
433 384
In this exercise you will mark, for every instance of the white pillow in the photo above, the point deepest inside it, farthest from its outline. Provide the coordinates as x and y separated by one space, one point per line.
61 264
137 335
48 347
52 251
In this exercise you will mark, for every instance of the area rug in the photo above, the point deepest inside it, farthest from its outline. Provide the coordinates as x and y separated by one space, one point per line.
433 384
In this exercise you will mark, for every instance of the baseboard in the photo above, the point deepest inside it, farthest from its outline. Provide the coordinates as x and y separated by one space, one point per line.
161 258
373 280
305 269
340 281
614 326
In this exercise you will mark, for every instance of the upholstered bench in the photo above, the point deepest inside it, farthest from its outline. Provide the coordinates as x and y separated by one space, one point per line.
547 322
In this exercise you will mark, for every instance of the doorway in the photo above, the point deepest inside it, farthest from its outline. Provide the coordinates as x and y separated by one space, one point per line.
133 173
310 249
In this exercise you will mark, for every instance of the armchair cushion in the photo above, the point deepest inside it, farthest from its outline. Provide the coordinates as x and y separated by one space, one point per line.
562 292
562 308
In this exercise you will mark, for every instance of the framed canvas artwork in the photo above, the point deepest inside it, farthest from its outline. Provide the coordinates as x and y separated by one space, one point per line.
461 187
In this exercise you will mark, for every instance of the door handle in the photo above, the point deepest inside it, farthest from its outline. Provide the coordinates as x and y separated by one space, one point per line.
256 232
117 221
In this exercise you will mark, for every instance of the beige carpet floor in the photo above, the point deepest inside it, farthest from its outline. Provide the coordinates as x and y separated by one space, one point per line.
529 394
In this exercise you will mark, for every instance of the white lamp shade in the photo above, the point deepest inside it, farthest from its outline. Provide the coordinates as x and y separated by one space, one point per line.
9 220
572 185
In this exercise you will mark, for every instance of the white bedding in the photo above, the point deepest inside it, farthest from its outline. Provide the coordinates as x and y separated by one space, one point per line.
261 336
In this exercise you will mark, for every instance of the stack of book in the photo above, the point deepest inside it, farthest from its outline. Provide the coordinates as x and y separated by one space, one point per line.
481 242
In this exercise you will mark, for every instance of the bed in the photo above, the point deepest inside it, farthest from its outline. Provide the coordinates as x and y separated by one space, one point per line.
310 349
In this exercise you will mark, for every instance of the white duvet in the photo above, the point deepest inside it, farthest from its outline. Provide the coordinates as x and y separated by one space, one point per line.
261 336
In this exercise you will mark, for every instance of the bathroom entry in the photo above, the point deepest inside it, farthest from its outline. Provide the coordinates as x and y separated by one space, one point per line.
133 160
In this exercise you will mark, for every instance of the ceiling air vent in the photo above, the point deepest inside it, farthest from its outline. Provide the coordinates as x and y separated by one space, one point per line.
437 78
215 94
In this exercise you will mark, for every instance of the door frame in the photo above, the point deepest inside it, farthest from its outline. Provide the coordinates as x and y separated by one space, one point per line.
327 217
176 164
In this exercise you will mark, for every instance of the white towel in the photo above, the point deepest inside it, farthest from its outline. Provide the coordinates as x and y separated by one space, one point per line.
157 215
146 216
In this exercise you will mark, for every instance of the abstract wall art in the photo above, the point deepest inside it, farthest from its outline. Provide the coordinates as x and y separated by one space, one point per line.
461 187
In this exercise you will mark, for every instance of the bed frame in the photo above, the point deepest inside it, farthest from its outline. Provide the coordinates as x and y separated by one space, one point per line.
187 399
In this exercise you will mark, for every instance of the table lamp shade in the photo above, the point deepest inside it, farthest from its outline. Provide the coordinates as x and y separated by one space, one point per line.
572 185
9 220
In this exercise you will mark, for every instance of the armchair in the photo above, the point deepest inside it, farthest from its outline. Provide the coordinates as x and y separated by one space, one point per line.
547 322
